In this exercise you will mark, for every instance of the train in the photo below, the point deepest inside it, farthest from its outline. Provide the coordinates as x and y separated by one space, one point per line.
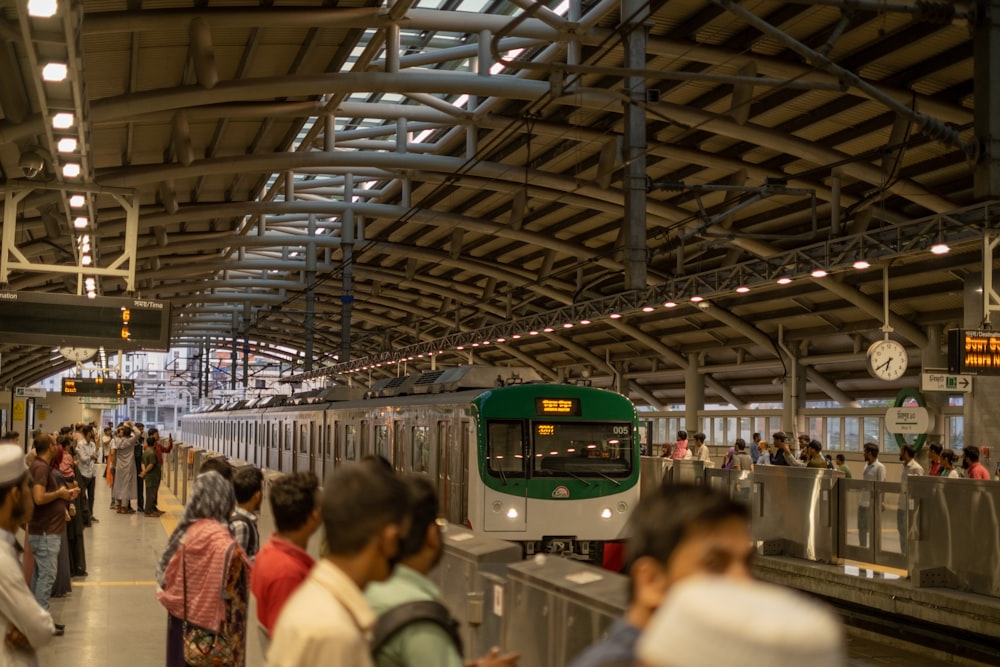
553 467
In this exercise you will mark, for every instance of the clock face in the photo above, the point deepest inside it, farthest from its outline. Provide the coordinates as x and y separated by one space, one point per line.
887 360
77 353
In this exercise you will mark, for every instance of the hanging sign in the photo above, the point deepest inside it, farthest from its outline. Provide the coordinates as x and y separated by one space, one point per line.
974 351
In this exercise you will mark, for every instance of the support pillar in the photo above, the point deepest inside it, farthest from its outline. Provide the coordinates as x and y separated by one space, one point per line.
310 280
347 264
635 13
694 394
234 352
933 355
986 71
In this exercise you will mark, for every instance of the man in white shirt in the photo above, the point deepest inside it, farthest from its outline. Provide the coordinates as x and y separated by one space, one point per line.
874 472
910 468
24 624
324 623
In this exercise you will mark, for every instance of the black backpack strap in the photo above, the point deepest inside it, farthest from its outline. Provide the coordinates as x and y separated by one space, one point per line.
397 618
251 529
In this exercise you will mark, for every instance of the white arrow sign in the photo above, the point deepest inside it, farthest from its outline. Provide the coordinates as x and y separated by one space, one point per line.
955 384
29 392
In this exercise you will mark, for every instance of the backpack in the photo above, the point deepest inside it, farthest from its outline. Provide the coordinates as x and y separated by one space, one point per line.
254 536
397 618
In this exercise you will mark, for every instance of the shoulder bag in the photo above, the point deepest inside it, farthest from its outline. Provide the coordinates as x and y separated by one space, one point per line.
204 648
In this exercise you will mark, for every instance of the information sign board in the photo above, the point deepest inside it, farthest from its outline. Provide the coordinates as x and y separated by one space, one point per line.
954 384
974 351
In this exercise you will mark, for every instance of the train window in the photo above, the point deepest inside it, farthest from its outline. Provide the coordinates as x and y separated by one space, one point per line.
303 439
505 448
350 447
288 438
326 442
366 443
577 449
419 450
382 440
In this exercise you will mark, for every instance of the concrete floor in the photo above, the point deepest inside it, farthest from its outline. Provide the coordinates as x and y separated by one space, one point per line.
112 617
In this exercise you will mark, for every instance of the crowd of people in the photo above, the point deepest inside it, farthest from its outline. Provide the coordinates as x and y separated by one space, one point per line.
369 600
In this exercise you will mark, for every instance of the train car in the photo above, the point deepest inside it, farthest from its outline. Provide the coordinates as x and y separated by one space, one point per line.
553 467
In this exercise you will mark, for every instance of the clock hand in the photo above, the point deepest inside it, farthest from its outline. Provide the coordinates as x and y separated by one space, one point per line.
885 365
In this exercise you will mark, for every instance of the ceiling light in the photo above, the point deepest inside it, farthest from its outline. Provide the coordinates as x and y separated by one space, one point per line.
568 325
91 294
696 299
460 348
516 336
742 289
63 121
669 304
615 316
862 264
647 309
584 321
77 201
547 329
784 280
42 9
501 340
80 223
532 333
486 342
940 248
55 72
85 260
818 273
71 170
85 246
66 145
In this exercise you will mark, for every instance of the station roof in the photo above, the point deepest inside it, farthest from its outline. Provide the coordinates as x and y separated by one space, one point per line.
478 160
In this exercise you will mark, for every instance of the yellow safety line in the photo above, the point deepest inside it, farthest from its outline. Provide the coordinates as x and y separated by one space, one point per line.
113 583
173 509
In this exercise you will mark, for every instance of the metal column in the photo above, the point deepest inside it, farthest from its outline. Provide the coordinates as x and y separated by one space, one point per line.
986 70
635 13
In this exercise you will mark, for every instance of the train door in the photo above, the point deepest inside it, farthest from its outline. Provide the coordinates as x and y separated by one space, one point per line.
274 446
382 442
399 446
420 449
350 442
328 431
304 445
288 446
366 440
443 447
459 476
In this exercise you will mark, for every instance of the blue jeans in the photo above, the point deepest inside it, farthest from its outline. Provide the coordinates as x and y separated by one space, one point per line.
45 549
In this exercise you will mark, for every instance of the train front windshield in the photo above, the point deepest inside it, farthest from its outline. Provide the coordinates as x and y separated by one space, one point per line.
561 449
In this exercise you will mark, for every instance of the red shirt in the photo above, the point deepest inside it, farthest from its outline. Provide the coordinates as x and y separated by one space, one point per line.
278 569
977 471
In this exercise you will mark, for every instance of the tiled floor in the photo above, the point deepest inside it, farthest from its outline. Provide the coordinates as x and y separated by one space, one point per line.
112 617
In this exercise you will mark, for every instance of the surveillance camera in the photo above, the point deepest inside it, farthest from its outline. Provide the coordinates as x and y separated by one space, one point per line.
31 164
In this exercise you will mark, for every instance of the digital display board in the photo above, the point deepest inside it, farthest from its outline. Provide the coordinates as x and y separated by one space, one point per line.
974 351
545 429
98 387
568 407
42 318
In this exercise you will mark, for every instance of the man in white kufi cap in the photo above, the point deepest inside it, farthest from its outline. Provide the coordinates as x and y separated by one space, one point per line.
25 626
700 624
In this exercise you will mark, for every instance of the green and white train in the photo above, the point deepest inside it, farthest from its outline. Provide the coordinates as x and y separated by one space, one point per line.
554 467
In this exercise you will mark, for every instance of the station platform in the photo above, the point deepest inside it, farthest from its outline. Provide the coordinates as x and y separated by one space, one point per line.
113 619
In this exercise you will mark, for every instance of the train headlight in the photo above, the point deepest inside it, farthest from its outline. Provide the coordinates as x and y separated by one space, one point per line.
497 506
512 513
622 507
606 513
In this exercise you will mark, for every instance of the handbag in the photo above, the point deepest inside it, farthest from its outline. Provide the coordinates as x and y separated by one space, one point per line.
204 648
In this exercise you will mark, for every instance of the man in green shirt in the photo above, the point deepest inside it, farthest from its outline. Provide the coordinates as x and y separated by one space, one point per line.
842 465
421 642
151 474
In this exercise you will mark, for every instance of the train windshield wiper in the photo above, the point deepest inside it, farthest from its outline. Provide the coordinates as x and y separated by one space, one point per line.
503 475
609 478
575 476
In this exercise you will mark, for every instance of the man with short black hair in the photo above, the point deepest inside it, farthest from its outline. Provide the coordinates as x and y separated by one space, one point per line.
324 623
814 455
219 464
47 523
248 483
676 532
24 624
282 563
419 641
970 462
907 454
783 455
874 472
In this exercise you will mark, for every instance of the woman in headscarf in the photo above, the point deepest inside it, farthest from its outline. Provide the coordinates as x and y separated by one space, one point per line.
202 575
